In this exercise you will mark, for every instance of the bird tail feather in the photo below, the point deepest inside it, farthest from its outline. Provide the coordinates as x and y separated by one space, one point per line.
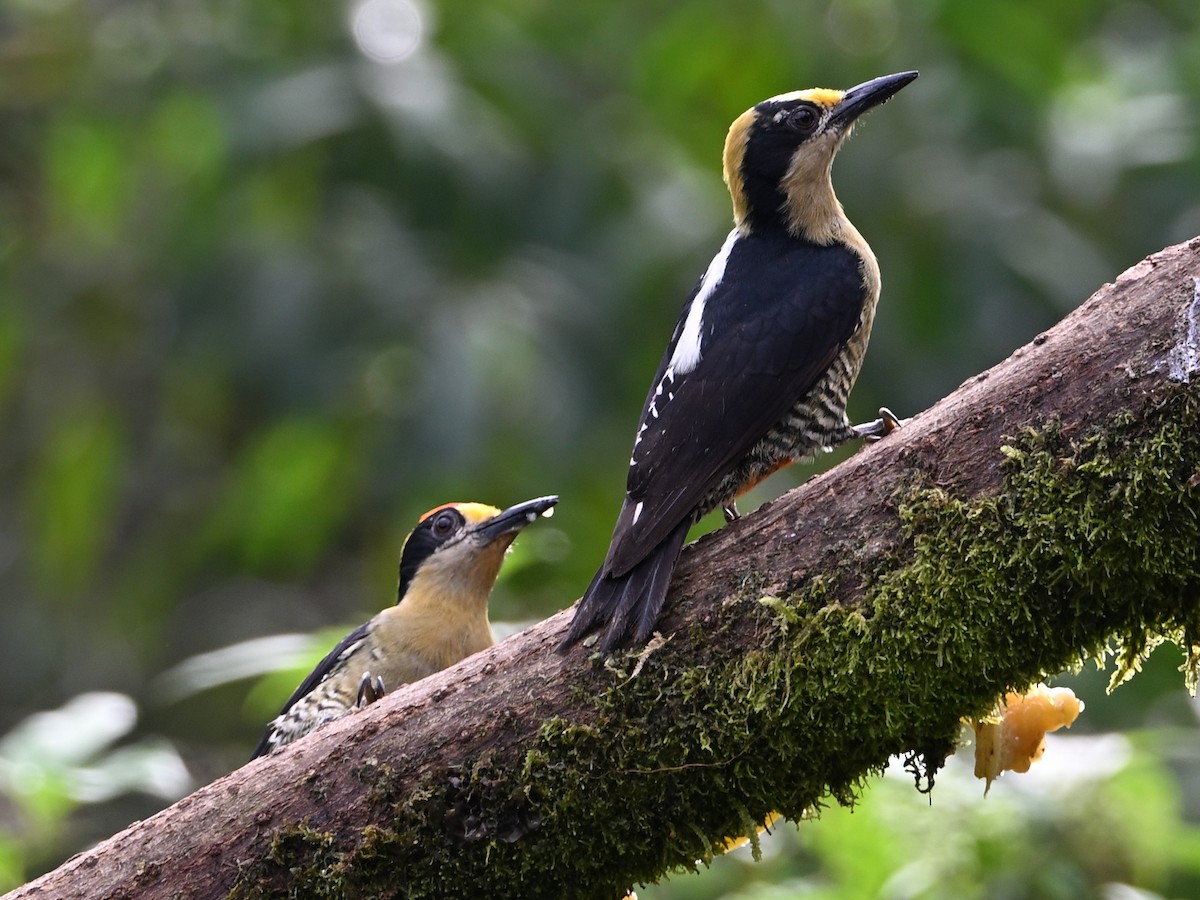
628 603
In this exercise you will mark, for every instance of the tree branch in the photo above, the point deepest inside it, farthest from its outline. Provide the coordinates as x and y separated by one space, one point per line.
1046 508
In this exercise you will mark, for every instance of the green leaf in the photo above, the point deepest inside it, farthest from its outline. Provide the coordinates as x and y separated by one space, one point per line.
291 490
88 177
71 499
187 137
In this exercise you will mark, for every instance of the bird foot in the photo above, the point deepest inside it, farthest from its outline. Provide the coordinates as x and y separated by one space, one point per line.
731 512
881 427
369 690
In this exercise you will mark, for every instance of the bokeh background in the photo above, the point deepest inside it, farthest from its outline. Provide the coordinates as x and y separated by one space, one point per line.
277 277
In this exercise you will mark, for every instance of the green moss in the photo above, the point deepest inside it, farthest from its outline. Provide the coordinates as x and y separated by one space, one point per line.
1090 550
303 858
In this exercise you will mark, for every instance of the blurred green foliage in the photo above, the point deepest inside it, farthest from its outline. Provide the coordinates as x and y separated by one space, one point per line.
277 277
1098 816
54 762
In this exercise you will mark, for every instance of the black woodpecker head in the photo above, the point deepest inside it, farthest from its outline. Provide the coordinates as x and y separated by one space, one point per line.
455 552
779 154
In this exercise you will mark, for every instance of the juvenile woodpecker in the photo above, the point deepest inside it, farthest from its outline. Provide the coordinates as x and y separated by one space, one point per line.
447 569
760 364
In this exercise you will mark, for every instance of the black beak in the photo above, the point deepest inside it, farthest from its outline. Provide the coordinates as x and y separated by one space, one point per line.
866 96
514 518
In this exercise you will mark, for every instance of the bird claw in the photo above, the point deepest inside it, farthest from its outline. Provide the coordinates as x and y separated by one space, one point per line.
369 690
731 512
881 427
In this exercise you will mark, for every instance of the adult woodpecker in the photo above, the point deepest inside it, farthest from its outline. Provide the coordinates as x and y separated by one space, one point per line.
760 364
447 569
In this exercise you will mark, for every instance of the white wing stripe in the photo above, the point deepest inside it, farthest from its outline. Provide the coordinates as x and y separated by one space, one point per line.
687 349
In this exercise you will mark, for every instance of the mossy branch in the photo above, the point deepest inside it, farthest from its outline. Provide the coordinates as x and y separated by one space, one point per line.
1045 513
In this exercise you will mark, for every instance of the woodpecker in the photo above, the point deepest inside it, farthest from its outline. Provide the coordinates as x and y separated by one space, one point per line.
448 566
762 359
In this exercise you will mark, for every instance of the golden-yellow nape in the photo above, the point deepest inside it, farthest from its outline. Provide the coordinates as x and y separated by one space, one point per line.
731 164
739 136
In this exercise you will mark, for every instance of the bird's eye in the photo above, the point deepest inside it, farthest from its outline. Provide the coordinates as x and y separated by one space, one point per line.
804 119
443 524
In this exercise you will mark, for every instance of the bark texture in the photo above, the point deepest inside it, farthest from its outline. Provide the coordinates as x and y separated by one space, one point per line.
1047 510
